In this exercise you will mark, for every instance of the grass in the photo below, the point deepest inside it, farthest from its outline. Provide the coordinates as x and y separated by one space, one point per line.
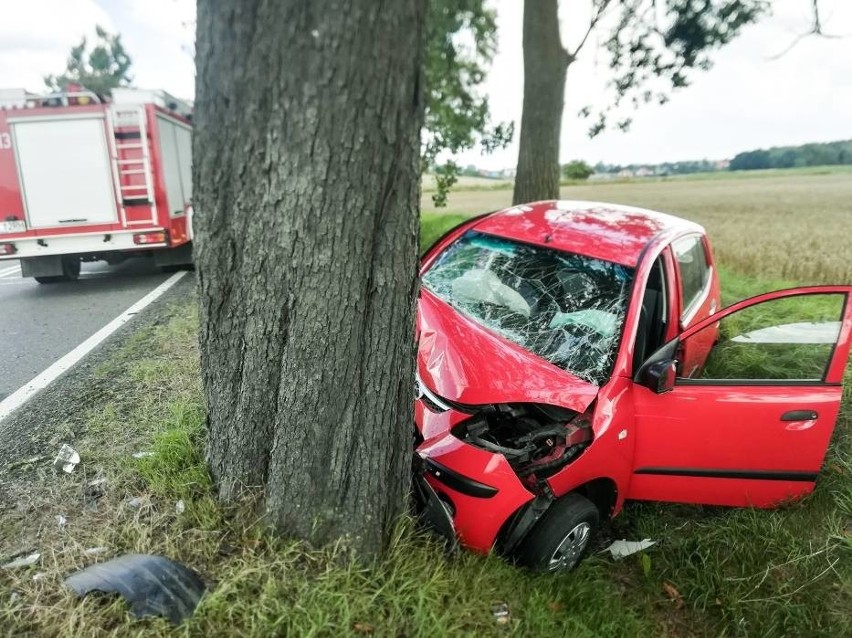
714 571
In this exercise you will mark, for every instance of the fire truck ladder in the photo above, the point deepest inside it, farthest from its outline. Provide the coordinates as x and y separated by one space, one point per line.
131 160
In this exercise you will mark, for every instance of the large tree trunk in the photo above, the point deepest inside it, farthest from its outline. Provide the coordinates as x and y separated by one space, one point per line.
545 65
306 190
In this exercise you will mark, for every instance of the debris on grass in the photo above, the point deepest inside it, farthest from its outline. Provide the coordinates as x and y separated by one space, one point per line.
136 502
180 507
61 521
67 458
94 551
363 628
153 585
501 613
142 455
24 561
621 548
673 594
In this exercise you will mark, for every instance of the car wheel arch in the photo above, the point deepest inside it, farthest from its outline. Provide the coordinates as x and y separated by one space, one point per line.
601 491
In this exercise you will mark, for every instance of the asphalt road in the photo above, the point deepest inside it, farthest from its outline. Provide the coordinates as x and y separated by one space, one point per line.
39 323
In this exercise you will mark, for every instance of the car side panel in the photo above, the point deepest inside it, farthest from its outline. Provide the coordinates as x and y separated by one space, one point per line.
610 454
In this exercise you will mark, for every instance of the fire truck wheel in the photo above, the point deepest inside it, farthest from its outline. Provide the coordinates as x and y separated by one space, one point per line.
70 268
70 272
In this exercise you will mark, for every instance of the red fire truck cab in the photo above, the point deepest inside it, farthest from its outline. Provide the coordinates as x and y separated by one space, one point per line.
84 179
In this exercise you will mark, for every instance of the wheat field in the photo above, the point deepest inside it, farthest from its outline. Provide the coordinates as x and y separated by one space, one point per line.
790 225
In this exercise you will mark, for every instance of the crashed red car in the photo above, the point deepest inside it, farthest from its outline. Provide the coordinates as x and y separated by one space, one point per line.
572 355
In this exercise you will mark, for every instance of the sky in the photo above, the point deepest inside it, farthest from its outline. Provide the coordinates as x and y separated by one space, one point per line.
747 100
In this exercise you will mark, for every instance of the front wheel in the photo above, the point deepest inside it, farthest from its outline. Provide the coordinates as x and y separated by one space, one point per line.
561 537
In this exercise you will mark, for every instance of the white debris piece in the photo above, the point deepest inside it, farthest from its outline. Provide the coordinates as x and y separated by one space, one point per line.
180 507
136 502
501 613
61 520
621 548
94 551
24 561
142 455
67 459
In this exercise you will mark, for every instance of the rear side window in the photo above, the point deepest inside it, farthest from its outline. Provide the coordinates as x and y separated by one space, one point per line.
694 271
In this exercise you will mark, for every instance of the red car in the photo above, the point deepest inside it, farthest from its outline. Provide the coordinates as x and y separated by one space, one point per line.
572 356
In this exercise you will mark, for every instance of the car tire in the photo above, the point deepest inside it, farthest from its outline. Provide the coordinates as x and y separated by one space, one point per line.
561 537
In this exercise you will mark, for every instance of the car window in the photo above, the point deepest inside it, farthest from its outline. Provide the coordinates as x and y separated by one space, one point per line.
791 338
694 271
566 308
653 315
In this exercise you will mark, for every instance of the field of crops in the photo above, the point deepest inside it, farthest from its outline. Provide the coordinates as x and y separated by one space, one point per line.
792 225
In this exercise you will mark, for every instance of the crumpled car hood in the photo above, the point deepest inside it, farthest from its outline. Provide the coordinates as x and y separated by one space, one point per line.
463 362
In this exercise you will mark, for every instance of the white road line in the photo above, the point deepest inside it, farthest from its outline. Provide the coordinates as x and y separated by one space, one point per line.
8 272
48 376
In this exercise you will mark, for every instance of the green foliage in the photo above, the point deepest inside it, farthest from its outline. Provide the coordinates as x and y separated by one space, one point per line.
100 69
653 46
176 467
828 154
432 226
457 116
786 359
577 169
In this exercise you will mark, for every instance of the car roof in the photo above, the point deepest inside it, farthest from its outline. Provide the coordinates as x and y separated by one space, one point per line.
611 232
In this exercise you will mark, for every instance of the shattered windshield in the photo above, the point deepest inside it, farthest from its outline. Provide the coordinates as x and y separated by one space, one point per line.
565 308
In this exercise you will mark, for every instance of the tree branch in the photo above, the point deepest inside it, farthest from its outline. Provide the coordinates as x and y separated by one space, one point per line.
815 30
600 9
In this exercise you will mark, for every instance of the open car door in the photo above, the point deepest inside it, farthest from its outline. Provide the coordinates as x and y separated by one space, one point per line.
752 425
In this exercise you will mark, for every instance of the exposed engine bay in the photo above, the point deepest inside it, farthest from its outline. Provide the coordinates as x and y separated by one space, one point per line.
537 440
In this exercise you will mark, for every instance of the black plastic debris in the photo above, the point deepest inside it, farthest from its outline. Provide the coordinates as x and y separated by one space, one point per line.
153 585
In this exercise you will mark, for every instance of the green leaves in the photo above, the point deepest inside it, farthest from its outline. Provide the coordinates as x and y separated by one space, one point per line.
654 45
102 69
461 41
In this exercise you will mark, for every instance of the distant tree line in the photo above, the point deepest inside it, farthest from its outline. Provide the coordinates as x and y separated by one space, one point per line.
666 168
827 154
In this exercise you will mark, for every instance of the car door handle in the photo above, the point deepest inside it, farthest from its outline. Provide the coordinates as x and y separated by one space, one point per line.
799 415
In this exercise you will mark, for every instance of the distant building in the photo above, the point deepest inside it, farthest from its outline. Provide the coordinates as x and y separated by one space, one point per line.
14 98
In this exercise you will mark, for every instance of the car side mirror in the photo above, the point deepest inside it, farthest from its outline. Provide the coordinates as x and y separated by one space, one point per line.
659 376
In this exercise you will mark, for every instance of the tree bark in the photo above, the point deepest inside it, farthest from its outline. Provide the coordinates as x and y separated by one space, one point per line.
545 66
307 189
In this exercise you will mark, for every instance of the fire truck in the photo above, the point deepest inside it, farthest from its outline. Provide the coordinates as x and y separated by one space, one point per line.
83 178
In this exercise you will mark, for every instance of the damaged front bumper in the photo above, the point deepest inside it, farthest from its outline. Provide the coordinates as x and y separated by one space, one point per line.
433 514
466 493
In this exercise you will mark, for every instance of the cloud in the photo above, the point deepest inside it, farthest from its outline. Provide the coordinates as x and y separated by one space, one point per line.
159 35
36 35
747 100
